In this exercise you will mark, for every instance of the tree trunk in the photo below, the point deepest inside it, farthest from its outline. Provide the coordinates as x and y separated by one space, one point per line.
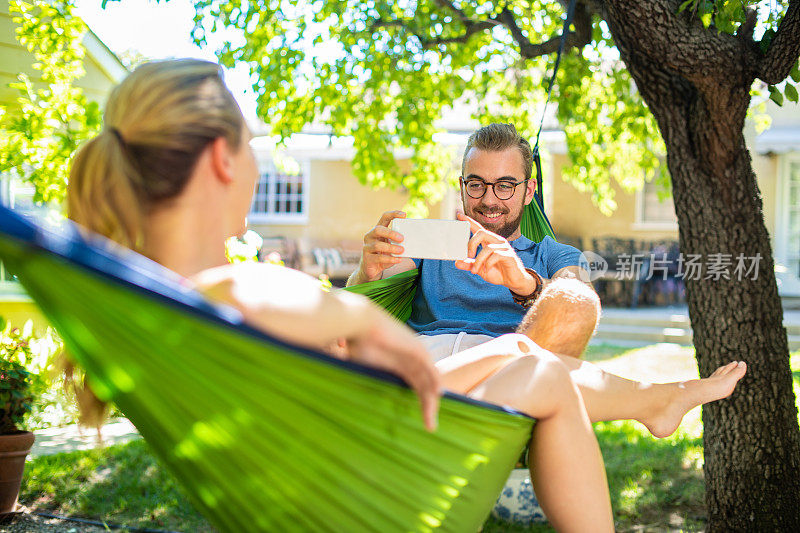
752 440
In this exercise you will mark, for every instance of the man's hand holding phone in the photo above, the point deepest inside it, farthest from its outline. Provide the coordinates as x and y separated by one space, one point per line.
396 238
381 247
497 262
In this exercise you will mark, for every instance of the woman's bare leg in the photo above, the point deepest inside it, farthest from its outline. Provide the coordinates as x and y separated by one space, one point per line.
566 464
660 407
466 369
563 320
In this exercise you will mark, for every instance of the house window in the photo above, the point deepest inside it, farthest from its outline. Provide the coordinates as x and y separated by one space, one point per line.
652 212
281 197
18 195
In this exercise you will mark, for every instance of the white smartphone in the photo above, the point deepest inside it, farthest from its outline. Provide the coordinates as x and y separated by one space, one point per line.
425 238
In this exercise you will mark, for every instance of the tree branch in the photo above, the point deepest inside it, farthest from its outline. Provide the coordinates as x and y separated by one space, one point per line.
471 27
747 28
679 42
529 50
783 51
461 15
426 42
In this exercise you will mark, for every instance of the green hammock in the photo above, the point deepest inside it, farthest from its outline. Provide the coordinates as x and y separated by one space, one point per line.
264 436
396 293
534 224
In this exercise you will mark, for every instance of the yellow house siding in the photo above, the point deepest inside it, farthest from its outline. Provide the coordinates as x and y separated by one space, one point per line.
20 311
573 214
766 169
15 59
97 82
340 208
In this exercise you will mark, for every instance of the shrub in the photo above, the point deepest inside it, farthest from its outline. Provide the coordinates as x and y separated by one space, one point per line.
15 395
52 404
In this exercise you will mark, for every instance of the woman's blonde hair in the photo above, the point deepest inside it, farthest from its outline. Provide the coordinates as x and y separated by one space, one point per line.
156 124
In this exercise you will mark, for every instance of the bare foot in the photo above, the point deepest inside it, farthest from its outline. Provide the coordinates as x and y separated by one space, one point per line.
689 394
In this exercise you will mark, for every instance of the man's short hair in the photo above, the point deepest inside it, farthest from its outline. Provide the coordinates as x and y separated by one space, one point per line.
496 138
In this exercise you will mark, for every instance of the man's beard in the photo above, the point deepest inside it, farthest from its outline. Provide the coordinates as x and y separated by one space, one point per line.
504 230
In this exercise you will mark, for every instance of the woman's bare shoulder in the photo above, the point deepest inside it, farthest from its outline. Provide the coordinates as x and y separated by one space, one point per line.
252 283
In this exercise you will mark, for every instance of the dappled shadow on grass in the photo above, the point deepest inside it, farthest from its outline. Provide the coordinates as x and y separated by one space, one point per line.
494 525
654 483
120 484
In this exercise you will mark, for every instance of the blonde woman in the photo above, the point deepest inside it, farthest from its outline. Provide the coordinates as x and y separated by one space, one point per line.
171 176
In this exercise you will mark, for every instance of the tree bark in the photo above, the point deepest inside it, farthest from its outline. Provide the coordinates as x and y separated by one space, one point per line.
752 441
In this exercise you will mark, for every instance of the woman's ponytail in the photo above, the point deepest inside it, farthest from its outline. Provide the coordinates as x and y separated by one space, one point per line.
105 190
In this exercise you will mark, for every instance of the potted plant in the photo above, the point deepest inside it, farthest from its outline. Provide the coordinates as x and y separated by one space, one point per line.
517 503
15 402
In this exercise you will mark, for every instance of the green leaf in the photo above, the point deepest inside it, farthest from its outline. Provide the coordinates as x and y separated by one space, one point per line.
686 4
775 95
795 73
766 40
790 91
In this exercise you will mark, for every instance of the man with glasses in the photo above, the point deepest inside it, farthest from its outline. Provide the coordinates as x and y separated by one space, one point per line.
509 282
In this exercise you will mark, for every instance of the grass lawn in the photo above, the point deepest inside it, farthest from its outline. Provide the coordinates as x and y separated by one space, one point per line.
121 484
655 484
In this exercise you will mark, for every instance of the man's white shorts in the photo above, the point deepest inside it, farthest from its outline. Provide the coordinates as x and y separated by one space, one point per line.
441 346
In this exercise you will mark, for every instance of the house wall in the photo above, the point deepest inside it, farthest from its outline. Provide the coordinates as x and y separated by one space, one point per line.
766 169
779 146
574 215
15 59
340 208
19 310
102 72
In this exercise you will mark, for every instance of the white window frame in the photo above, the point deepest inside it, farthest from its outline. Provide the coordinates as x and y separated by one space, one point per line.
646 225
788 280
283 218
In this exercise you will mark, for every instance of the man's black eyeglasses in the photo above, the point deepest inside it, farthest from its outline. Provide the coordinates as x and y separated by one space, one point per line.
503 189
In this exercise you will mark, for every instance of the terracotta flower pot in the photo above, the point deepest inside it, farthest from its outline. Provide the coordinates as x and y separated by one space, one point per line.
13 450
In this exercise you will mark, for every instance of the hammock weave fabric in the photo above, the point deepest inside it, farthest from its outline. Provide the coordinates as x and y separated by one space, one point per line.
263 435
396 293
534 224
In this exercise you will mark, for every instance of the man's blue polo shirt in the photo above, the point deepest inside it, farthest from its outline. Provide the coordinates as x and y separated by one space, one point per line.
449 300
